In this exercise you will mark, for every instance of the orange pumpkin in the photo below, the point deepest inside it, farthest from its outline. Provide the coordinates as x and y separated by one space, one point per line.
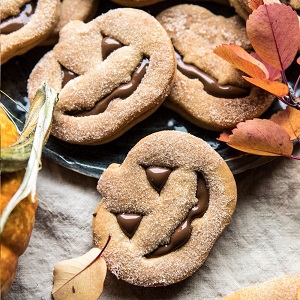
17 230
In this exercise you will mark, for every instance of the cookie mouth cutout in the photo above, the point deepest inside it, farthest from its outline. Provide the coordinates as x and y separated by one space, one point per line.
108 46
14 23
211 86
183 232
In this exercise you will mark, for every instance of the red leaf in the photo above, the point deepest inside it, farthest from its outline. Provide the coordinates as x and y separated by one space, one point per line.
274 87
242 60
273 31
273 73
261 137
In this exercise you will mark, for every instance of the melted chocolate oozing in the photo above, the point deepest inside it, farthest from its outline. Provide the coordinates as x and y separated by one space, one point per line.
158 176
122 92
210 84
67 75
14 23
183 233
129 223
108 46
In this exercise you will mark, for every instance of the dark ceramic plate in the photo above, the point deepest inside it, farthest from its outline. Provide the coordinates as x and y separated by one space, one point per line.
93 160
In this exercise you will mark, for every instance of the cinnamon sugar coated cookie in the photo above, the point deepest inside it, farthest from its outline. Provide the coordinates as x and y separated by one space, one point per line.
136 3
111 73
283 288
208 91
83 10
25 24
164 208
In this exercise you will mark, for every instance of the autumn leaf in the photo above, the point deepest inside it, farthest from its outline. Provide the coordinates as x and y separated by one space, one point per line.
289 119
242 60
254 4
298 60
80 278
260 137
273 73
276 88
273 31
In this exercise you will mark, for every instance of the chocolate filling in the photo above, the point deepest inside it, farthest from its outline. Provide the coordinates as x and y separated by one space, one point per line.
67 75
158 176
109 45
183 232
129 223
123 91
211 86
14 23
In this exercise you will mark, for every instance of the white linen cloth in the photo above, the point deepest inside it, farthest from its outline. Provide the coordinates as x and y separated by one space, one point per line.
262 241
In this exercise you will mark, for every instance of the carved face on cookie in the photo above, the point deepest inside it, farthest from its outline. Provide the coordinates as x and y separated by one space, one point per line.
164 207
111 73
208 91
25 24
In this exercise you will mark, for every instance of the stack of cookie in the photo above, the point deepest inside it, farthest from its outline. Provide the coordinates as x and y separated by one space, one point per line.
173 195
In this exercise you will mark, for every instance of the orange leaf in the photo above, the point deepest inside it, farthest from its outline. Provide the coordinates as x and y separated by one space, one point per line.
298 60
242 60
254 4
274 87
273 73
224 136
261 137
289 119
273 31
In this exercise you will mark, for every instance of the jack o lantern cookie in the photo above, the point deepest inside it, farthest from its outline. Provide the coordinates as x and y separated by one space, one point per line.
111 73
25 24
208 91
83 10
136 3
286 287
164 208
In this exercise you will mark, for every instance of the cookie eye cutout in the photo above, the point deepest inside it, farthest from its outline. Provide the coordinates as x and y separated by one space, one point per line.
211 86
109 45
14 23
183 232
157 176
129 223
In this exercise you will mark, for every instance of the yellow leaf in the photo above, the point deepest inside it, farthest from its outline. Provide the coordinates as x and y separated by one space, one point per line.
289 119
80 278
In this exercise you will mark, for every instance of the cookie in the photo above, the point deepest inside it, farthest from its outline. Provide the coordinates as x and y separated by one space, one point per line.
25 24
208 91
111 73
83 10
164 208
136 3
286 287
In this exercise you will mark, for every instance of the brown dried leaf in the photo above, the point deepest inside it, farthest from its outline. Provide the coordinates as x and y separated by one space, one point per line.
80 278
289 119
260 137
